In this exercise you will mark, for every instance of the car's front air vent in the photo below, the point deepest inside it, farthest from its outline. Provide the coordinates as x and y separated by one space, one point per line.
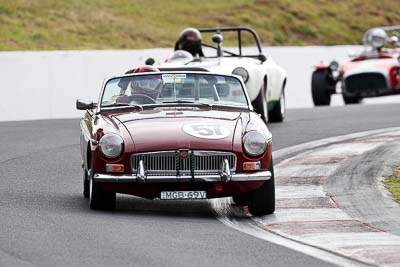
172 162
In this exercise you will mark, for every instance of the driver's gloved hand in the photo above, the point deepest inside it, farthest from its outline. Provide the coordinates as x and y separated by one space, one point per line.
122 99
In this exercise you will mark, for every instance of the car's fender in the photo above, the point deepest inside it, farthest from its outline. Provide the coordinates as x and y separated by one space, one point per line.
276 77
86 138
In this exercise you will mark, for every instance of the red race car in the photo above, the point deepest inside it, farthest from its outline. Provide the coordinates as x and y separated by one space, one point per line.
175 136
374 72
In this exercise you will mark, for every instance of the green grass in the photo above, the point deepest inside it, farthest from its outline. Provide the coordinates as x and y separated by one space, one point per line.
130 24
393 185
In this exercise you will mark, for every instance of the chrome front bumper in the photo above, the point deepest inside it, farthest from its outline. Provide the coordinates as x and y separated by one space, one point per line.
138 178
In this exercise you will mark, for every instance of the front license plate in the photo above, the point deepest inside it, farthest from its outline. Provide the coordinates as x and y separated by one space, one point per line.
183 195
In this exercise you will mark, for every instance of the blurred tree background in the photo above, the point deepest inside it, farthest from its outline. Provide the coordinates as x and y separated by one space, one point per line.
132 24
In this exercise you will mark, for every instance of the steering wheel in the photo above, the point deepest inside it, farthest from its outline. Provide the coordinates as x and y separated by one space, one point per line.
142 99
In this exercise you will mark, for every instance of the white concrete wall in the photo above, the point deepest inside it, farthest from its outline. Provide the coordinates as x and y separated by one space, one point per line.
43 85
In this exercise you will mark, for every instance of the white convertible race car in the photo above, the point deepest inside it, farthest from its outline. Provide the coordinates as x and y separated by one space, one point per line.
264 79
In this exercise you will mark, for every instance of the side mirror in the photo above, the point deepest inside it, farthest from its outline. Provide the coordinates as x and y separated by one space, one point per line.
150 61
217 38
262 58
84 105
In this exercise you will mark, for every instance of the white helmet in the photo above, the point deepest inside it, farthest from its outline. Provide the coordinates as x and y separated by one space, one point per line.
394 40
377 38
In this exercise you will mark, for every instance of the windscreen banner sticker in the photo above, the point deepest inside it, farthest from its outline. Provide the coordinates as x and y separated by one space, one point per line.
170 78
206 130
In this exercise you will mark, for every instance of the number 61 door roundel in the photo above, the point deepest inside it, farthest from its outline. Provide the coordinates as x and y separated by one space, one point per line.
206 130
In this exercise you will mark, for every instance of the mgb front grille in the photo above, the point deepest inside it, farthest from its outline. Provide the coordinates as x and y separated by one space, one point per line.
183 162
164 162
211 161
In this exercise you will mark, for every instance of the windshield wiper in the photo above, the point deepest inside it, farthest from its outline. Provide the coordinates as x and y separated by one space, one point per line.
123 105
186 102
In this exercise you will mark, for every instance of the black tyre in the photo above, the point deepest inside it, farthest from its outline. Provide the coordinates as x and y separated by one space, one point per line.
86 189
98 198
320 89
260 103
351 99
262 200
241 199
277 114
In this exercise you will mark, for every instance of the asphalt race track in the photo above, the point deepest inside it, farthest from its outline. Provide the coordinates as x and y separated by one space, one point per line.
46 221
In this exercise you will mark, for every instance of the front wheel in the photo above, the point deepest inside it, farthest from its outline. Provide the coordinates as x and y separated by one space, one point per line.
86 182
277 114
320 90
262 200
260 103
98 198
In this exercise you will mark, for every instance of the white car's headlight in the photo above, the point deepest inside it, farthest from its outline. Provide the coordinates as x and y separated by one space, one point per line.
334 65
255 143
111 145
242 72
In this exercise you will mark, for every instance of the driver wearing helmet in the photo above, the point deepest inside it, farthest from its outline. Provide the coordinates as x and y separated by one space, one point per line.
394 41
145 68
190 41
143 89
377 39
146 85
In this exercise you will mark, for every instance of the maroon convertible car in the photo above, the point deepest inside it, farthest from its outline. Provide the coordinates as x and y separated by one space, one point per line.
175 136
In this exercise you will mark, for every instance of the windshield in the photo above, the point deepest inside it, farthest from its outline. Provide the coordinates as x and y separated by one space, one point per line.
160 89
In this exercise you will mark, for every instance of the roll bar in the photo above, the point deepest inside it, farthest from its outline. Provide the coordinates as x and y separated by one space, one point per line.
239 30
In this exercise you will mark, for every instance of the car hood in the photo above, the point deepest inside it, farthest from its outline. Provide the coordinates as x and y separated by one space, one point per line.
223 65
380 65
172 129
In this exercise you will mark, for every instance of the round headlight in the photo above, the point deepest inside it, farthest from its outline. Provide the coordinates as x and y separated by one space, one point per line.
254 143
242 72
334 65
111 145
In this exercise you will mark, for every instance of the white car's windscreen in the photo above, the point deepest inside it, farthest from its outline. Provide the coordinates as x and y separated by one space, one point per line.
180 87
